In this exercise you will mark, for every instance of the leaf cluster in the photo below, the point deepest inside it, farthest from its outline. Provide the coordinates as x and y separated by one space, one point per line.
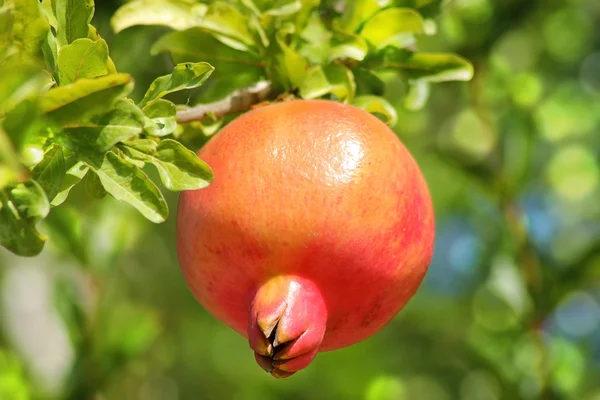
312 49
65 118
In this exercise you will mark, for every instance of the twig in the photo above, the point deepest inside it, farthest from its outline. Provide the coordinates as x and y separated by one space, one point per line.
238 101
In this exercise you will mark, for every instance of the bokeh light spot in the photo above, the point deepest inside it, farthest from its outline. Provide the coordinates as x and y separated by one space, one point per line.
573 173
578 315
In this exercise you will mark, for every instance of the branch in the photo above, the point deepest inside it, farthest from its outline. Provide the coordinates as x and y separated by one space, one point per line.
238 101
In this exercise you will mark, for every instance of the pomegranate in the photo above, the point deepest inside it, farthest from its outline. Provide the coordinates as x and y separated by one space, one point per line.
316 231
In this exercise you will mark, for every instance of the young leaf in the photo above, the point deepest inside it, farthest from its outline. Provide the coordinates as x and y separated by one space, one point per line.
103 132
50 173
378 105
21 207
176 14
234 69
178 167
184 76
83 58
390 25
73 103
73 17
160 118
126 182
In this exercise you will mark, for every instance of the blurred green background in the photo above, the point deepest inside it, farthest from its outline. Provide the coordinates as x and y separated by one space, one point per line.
510 308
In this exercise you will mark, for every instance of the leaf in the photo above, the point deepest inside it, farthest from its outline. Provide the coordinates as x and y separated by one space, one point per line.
228 25
93 186
377 105
103 132
29 29
292 66
18 82
160 118
126 182
315 84
341 81
76 170
21 207
83 58
347 45
438 67
358 11
73 17
367 82
430 67
176 14
50 173
178 167
234 69
392 25
418 93
74 102
184 76
25 126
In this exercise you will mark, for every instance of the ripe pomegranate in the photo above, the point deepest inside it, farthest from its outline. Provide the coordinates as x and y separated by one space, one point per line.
315 232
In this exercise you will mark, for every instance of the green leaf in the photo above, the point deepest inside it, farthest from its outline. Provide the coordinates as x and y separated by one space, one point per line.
176 14
82 59
377 105
178 167
228 25
93 186
358 11
18 82
126 182
24 126
291 65
184 76
315 84
341 81
437 67
234 69
418 93
160 118
21 207
103 132
347 45
76 170
50 173
392 25
367 82
73 17
11 170
430 67
29 29
50 52
74 102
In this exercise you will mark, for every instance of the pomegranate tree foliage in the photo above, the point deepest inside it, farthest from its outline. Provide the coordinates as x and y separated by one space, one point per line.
66 117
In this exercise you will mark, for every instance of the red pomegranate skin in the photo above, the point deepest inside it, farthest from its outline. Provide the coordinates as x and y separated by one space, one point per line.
316 208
